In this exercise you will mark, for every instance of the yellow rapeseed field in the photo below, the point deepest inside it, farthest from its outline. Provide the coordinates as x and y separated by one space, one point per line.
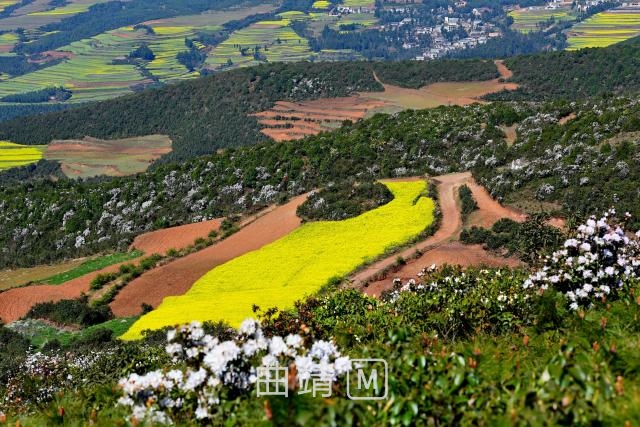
604 29
13 155
296 265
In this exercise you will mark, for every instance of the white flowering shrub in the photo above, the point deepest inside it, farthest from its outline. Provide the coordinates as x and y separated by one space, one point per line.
597 263
209 371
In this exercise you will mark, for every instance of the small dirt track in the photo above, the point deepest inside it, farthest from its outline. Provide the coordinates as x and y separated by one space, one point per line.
443 247
449 229
177 277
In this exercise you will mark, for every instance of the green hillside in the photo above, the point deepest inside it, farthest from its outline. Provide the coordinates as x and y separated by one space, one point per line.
200 116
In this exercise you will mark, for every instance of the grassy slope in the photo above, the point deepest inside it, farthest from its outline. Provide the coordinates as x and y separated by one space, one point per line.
91 266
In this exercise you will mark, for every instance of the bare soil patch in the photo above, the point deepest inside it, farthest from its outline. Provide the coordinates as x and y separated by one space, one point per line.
566 119
16 303
295 120
453 253
489 210
622 137
175 278
510 134
92 157
160 241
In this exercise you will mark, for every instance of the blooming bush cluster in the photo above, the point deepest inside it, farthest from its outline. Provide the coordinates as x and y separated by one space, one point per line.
210 371
596 264
462 302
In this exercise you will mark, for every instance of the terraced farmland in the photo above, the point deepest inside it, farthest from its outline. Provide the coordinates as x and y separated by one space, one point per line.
13 155
276 40
605 28
526 20
40 13
90 74
296 265
92 157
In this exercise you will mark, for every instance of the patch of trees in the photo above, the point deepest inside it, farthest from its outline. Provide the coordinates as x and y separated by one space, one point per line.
344 200
576 75
144 27
514 43
143 52
192 59
371 44
467 202
415 74
19 65
8 112
71 312
13 350
529 240
43 95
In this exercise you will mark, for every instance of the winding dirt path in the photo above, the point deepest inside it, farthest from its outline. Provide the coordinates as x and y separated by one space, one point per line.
443 247
177 277
450 226
505 73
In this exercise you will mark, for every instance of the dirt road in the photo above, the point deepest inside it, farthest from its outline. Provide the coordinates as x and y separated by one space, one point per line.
443 247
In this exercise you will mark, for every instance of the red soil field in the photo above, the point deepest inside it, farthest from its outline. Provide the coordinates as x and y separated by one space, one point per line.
454 253
175 278
295 120
489 210
16 302
160 241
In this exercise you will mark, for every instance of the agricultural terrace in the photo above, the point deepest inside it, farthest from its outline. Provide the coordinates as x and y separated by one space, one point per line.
90 74
605 28
5 3
276 41
40 12
356 4
526 20
13 155
321 5
7 42
89 157
296 265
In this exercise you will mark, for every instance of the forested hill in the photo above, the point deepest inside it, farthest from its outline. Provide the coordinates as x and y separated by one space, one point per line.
209 113
584 166
576 75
